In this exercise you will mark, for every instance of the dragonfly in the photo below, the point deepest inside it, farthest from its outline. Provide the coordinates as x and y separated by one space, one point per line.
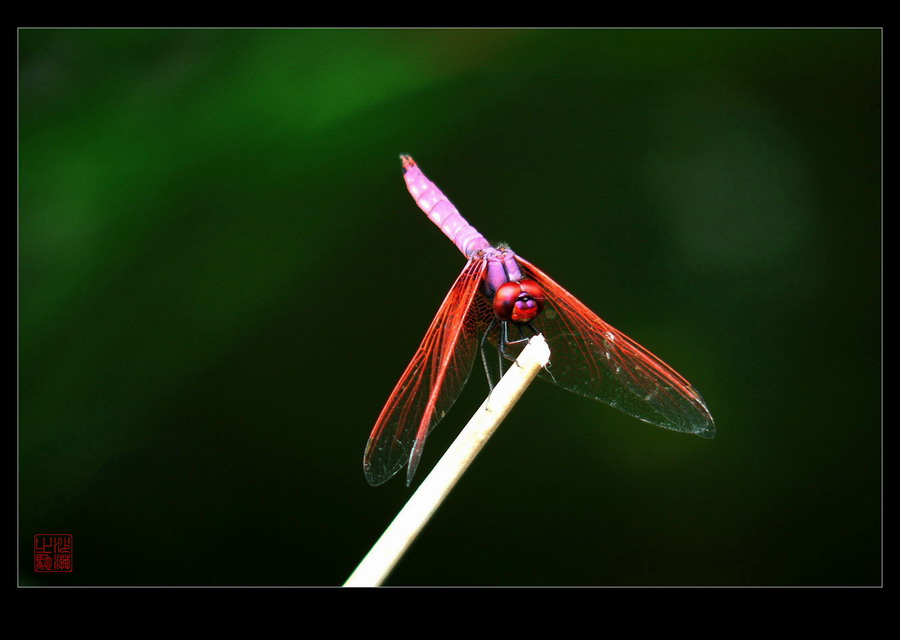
498 300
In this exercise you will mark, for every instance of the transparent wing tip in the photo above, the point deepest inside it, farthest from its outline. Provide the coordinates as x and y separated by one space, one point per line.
708 430
379 471
414 457
373 478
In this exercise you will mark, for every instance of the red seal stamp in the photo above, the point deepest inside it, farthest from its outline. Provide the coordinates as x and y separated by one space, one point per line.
53 552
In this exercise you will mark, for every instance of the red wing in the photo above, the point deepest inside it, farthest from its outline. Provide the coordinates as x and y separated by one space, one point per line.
591 358
430 384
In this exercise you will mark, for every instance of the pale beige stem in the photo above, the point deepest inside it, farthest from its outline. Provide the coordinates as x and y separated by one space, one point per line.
412 518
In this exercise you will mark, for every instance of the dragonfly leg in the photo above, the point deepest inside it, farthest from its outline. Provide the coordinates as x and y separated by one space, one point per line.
549 364
501 348
505 341
522 336
502 343
487 369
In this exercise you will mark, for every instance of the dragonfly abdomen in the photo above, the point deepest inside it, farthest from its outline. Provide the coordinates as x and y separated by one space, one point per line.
441 211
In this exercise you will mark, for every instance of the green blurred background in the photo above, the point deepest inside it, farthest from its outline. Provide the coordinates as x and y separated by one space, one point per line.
222 276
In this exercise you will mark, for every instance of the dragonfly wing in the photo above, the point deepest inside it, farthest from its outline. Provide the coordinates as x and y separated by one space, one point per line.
430 384
591 358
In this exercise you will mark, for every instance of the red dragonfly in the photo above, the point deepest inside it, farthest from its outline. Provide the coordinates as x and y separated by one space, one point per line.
499 293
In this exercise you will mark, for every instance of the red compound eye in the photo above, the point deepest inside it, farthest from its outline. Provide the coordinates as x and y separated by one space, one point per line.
519 302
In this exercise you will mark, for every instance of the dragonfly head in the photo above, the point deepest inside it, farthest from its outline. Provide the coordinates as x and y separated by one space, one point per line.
519 302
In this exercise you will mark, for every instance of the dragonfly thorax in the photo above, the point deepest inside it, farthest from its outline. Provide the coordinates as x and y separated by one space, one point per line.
518 302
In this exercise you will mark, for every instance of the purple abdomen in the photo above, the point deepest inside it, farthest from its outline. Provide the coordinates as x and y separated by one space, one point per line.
441 211
502 266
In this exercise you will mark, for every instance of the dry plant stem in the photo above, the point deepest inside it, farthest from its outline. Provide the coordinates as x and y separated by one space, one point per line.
397 538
